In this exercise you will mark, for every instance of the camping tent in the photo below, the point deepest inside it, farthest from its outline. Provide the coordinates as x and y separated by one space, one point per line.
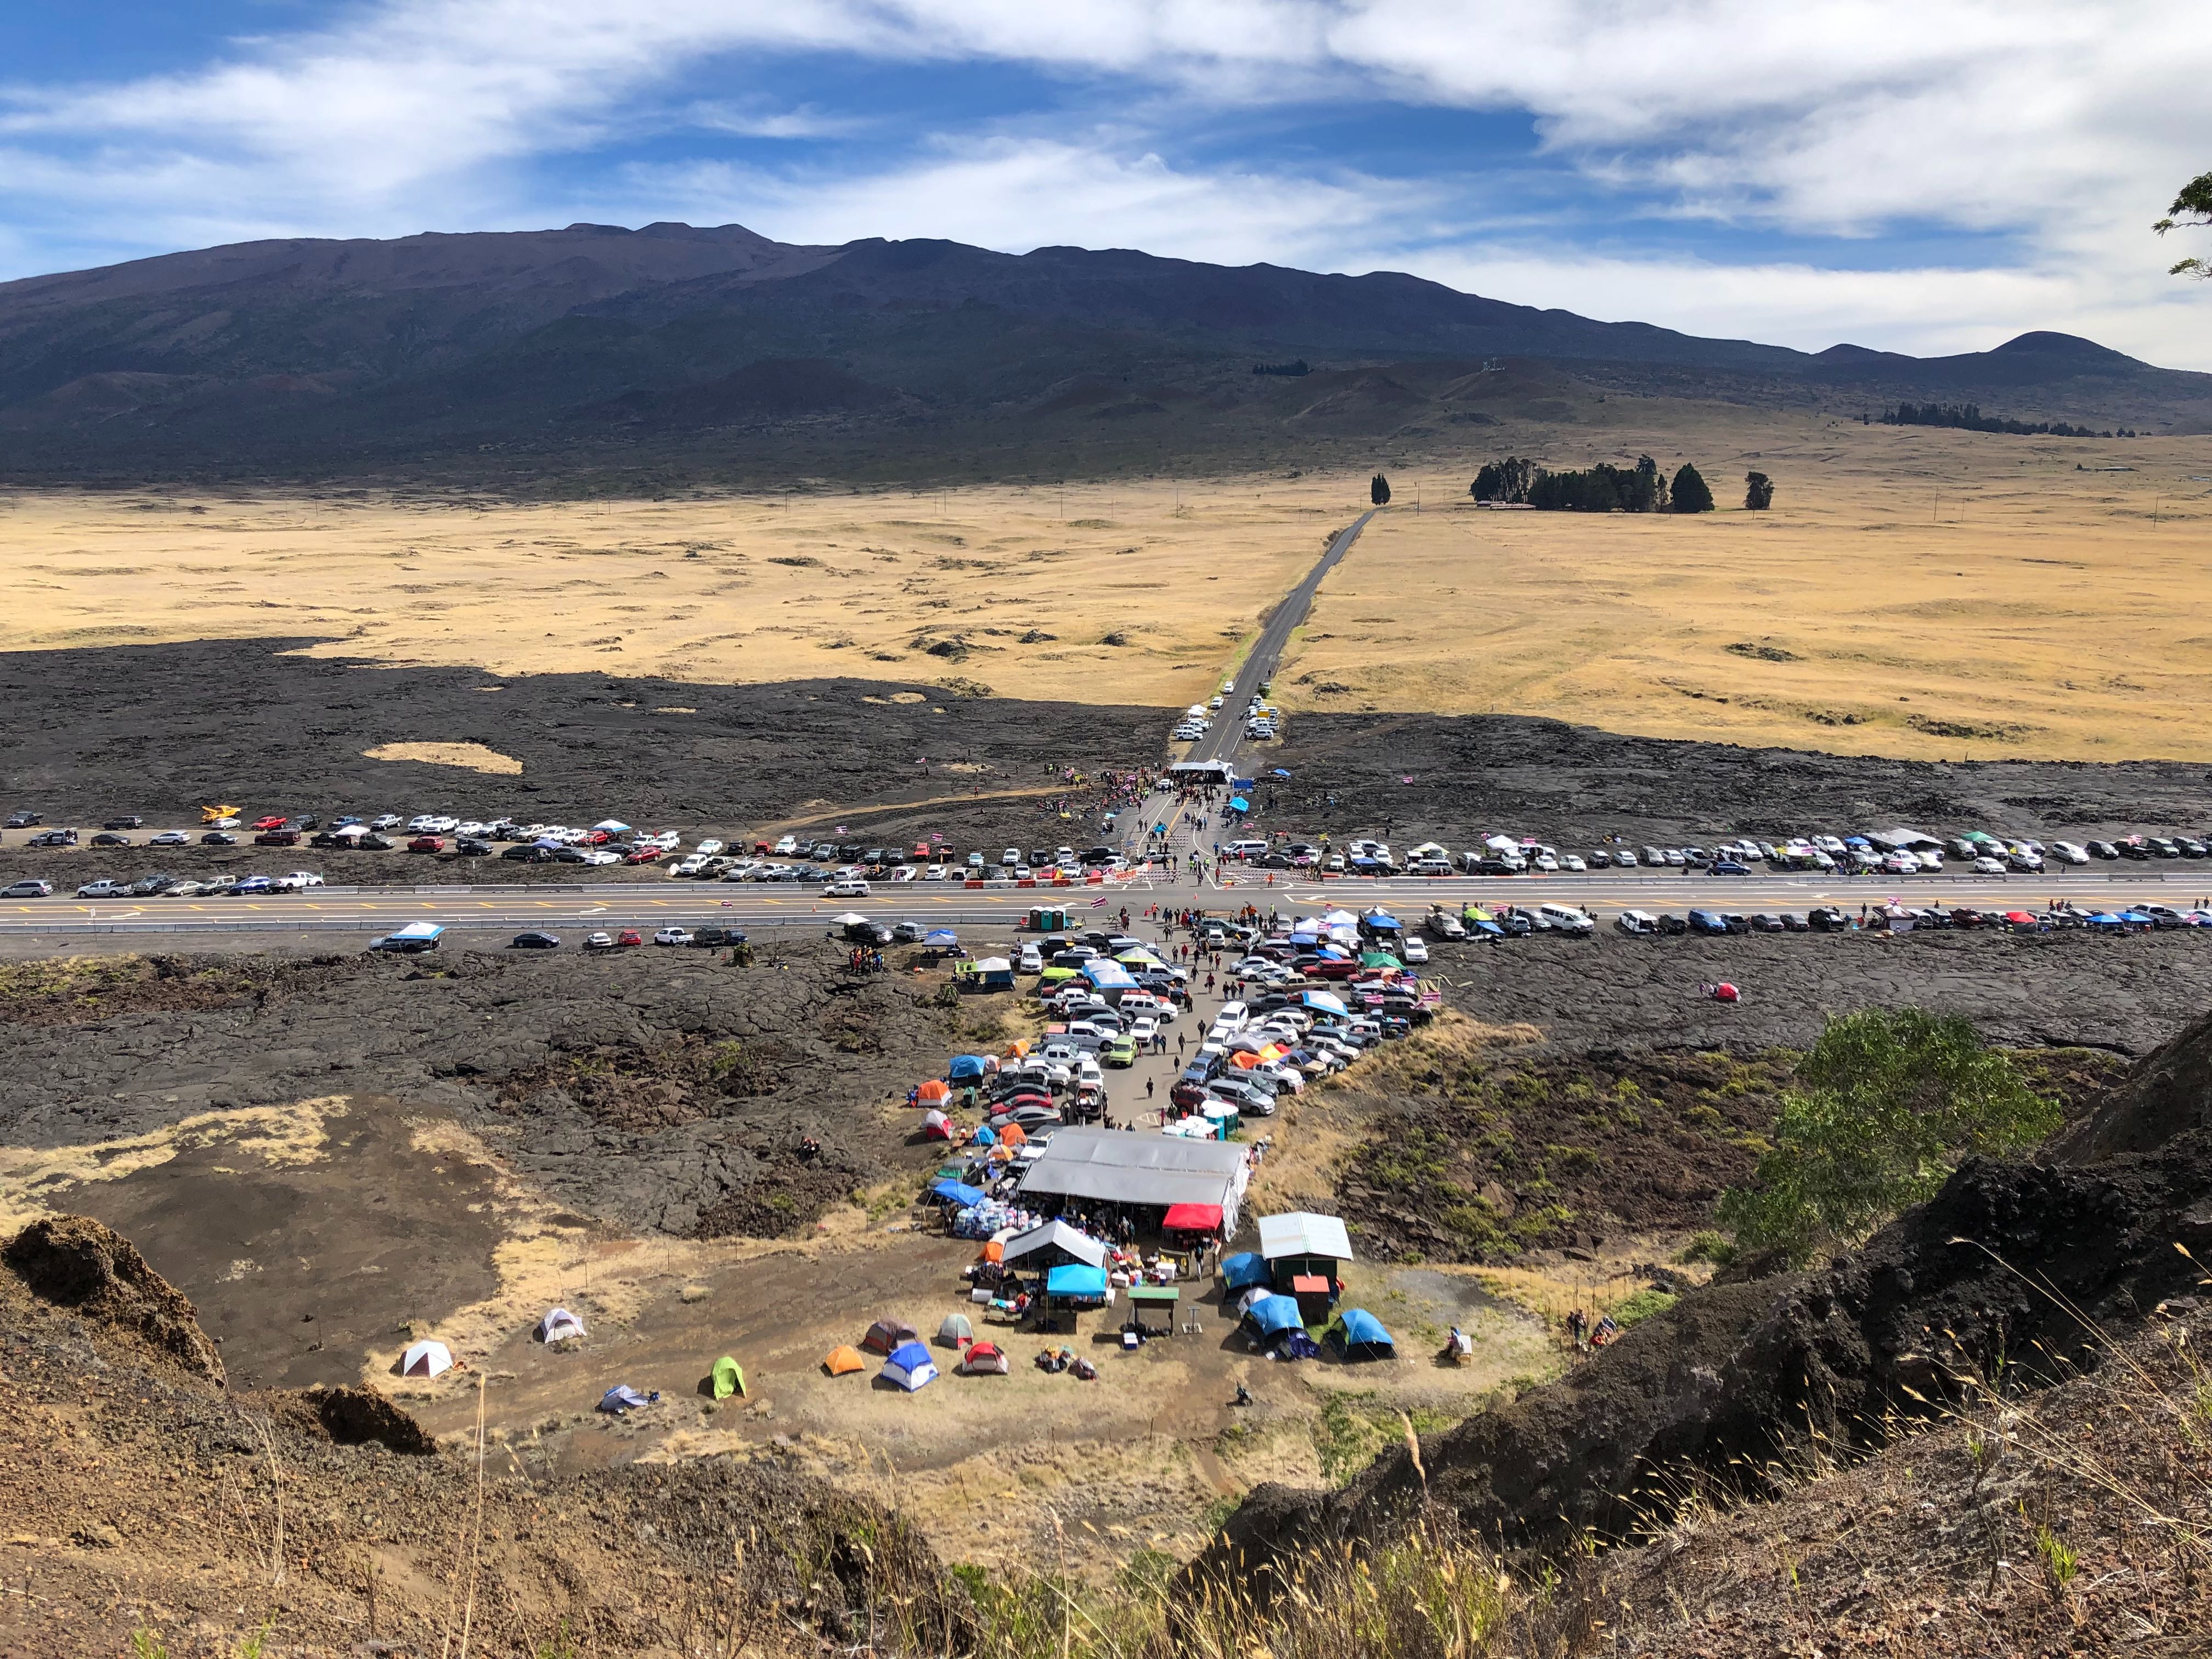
934 1092
1077 1281
624 1398
729 1377
1051 1245
1361 1336
887 1334
954 1329
965 1068
843 1362
1271 1316
935 1126
910 1366
559 1326
426 1358
983 1359
1241 1273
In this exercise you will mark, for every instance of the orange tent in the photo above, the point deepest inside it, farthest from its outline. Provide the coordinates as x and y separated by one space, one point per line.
935 1092
1013 1135
1243 1060
843 1362
1018 1050
994 1251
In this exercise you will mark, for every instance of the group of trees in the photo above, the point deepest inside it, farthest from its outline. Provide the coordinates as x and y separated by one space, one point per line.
1606 487
1969 418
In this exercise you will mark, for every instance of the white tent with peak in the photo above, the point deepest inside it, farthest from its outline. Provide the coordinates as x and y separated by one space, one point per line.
559 1326
426 1358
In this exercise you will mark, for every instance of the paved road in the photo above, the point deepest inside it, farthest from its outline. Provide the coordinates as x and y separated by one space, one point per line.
997 908
1227 735
1260 663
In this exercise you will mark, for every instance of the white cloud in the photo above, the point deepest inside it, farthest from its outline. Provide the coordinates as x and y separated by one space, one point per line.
2052 130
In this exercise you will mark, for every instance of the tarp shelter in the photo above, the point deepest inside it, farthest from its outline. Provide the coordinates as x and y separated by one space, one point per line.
843 1362
954 1329
1271 1316
910 1366
1242 1273
1891 840
958 1193
623 1398
559 1326
1360 1334
426 1358
1076 1281
936 1125
934 1092
1114 1167
729 1377
1302 1243
887 1334
1106 975
1051 1246
1324 1002
1192 1218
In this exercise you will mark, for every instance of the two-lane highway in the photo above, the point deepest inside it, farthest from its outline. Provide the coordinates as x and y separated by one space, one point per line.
999 906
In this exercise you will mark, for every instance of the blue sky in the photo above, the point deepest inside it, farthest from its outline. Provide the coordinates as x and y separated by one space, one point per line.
1927 177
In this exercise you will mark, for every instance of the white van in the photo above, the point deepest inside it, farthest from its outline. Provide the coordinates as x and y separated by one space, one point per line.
1565 919
1636 921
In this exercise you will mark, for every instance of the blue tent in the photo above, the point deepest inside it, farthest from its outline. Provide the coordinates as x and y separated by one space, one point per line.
1380 922
910 1367
1361 1336
1077 1279
1279 772
985 1137
1241 1273
965 1068
1274 1314
954 1192
1238 804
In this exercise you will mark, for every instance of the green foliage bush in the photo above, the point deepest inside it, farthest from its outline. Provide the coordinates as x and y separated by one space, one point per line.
1884 1105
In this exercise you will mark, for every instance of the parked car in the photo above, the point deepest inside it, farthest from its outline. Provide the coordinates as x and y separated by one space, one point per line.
218 838
535 940
104 890
108 838
28 890
672 936
22 820
848 888
171 838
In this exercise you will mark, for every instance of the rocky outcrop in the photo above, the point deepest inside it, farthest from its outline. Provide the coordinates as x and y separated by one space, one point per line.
73 1261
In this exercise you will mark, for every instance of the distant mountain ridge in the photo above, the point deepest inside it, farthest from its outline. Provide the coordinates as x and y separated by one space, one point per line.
335 354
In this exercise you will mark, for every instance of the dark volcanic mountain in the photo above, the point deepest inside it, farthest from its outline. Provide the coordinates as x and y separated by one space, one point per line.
674 348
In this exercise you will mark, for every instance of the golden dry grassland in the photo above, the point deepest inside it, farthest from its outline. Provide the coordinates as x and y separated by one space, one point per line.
1914 592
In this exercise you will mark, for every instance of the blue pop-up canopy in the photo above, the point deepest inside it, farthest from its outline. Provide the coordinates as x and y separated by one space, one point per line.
1237 803
1241 1273
1272 1314
955 1192
940 936
1076 1279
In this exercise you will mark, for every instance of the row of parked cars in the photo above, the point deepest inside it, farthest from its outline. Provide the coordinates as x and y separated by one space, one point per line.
168 886
1262 720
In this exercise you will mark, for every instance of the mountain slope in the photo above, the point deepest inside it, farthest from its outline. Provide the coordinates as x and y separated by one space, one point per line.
598 341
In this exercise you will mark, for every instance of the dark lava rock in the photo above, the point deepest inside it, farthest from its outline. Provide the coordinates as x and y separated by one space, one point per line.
75 1262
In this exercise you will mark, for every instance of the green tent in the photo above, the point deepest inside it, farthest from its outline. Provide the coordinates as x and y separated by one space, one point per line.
1377 959
729 1378
1054 975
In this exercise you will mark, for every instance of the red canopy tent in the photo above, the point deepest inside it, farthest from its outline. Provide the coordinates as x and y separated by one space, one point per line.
1193 1219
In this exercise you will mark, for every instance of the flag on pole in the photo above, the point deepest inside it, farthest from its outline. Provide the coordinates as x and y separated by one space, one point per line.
1098 904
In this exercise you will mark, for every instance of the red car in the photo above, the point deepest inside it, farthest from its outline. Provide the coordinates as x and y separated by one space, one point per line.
598 837
645 855
270 822
426 844
628 937
277 837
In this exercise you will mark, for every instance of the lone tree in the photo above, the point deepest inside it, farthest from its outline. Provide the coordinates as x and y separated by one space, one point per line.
1379 491
1691 493
2191 210
1882 1109
1758 492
